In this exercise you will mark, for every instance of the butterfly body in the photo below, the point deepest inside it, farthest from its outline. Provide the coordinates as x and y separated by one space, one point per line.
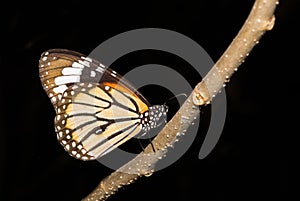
96 110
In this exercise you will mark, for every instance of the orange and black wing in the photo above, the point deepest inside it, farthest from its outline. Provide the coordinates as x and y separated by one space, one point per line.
96 110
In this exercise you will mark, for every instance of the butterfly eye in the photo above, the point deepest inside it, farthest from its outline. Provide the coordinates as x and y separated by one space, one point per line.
96 110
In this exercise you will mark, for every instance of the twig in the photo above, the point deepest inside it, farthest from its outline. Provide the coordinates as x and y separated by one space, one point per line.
260 20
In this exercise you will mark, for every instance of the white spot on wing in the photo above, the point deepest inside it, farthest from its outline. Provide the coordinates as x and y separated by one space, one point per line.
73 144
53 99
93 73
67 147
77 65
99 69
87 58
66 79
85 63
71 71
60 89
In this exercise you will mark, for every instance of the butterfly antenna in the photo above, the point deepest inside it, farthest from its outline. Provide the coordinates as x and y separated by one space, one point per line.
172 98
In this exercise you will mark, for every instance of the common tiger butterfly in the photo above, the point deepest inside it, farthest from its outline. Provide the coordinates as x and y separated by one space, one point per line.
96 109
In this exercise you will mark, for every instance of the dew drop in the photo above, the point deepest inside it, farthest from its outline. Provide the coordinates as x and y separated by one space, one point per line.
198 99
148 174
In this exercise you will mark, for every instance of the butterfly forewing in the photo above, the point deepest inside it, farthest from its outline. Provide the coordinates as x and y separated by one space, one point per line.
96 110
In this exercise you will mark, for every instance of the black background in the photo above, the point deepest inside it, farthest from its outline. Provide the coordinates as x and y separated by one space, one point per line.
251 161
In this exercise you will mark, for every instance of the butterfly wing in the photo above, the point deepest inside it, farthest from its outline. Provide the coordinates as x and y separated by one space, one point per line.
96 110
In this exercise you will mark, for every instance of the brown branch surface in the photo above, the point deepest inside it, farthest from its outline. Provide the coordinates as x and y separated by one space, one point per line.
260 20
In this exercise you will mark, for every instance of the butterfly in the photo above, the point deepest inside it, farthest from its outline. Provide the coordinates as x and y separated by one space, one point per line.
96 109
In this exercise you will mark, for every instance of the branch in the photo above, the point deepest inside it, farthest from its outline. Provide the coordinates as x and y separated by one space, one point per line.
260 20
